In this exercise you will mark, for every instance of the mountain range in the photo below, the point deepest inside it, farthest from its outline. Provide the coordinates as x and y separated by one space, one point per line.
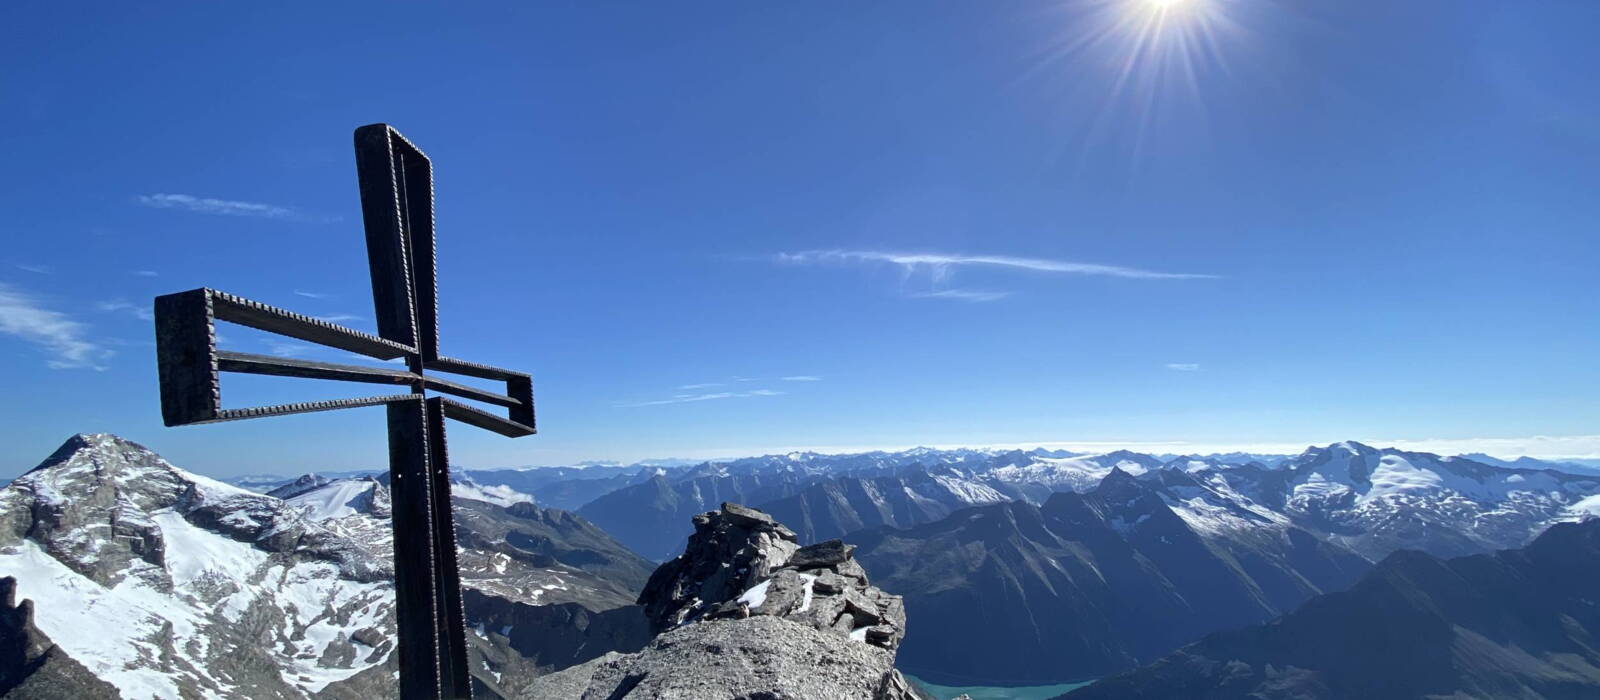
1015 566
972 537
1372 501
1521 623
1089 584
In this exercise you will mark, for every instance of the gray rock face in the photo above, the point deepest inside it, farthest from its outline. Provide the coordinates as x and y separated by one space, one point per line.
514 552
31 666
762 657
745 612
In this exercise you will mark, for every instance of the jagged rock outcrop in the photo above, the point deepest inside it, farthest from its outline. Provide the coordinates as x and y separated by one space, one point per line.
32 666
745 612
742 563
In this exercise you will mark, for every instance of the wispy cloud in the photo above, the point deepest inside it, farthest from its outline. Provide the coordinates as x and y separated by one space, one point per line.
23 317
312 295
707 385
973 295
145 273
691 398
287 349
1183 366
35 269
208 205
940 264
801 378
139 311
364 358
338 318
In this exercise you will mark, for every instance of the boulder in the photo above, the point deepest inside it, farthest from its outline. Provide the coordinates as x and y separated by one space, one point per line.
822 554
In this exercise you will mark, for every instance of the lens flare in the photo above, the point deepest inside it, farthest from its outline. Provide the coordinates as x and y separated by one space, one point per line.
1127 60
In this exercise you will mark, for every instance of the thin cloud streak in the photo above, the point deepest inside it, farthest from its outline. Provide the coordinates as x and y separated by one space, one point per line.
941 263
691 398
138 311
23 317
1183 366
145 273
970 295
208 205
284 349
312 295
35 269
338 318
707 385
801 378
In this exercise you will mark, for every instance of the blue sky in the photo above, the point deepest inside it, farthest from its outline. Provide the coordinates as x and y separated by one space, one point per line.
728 228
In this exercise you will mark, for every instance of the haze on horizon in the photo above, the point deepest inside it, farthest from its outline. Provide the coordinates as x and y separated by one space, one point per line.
1220 224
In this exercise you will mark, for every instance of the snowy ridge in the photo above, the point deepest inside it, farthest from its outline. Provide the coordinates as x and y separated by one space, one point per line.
168 584
158 580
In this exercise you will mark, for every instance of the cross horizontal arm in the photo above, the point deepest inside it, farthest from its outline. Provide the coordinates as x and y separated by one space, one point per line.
472 369
288 409
248 363
227 307
470 392
483 419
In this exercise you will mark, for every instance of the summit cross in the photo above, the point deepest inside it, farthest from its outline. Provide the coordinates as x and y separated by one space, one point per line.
397 210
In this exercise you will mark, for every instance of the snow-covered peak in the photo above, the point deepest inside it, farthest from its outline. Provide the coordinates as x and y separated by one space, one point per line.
304 483
341 499
152 576
114 471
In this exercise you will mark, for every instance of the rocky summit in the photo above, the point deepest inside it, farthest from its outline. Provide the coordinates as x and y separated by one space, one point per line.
745 612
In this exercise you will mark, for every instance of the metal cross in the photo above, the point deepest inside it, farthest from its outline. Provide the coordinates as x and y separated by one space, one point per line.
397 209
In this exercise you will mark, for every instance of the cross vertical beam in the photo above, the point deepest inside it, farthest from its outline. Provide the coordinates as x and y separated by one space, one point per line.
411 495
454 679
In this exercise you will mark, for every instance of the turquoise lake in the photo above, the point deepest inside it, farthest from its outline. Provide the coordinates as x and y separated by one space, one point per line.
979 692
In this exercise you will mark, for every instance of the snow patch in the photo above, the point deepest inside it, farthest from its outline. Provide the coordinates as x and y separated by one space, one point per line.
756 595
810 592
337 499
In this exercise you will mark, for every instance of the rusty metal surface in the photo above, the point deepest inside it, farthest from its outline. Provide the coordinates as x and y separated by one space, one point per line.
396 184
454 678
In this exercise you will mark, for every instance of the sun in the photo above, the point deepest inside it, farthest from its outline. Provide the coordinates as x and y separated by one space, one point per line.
1163 7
